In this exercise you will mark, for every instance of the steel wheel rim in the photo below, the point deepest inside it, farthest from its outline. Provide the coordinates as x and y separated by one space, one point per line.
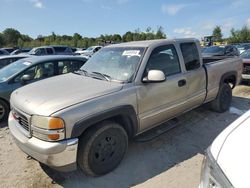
105 149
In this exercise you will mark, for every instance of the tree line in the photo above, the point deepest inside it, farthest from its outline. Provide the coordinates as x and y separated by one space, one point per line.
11 37
236 35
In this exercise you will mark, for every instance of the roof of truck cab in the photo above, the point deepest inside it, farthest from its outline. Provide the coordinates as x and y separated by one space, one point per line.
39 59
148 43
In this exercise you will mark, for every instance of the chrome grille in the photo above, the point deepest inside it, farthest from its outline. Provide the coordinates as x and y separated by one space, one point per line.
246 69
22 119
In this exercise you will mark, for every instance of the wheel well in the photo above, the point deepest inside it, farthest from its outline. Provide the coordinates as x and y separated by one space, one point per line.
125 122
231 80
122 120
123 115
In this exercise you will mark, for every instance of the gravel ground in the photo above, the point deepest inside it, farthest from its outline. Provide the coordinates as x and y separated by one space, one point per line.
172 159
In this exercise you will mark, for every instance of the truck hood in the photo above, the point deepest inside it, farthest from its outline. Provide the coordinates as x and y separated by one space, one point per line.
51 95
232 153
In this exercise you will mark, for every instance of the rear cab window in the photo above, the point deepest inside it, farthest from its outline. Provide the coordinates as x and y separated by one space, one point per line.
190 55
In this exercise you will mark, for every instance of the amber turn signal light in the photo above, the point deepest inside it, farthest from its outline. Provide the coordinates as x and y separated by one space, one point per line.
53 136
56 123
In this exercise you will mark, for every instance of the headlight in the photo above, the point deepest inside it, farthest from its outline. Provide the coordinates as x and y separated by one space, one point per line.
211 175
47 128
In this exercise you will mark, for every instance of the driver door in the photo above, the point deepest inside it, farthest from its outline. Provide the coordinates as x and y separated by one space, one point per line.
158 102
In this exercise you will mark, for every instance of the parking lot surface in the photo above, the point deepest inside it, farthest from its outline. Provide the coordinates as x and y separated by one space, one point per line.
172 159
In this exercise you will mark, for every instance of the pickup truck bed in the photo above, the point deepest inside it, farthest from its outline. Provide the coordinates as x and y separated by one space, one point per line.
215 67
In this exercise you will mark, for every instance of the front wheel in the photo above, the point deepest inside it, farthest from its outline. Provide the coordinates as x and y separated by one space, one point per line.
4 110
102 148
223 99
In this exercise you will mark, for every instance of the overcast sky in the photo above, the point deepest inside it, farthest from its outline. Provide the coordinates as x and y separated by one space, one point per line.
179 18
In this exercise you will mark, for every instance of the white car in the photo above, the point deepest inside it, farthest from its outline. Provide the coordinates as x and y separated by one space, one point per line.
227 161
89 51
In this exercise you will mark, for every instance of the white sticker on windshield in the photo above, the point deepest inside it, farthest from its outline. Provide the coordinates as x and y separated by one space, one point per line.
26 63
131 53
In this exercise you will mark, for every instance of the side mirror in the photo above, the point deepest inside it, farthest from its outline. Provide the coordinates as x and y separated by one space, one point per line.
155 76
25 78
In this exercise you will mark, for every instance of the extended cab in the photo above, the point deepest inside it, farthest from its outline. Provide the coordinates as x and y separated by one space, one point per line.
86 118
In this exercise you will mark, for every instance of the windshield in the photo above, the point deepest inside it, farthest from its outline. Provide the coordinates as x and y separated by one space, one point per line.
33 51
89 49
13 68
214 49
245 55
118 63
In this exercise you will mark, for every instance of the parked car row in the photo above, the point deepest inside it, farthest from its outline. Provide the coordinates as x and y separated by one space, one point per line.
20 51
246 65
243 47
4 52
8 59
227 50
89 51
85 118
51 50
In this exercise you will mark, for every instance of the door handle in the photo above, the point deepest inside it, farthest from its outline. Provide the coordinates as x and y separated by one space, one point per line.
182 83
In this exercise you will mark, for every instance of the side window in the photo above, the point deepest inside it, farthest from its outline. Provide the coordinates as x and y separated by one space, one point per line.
40 71
69 66
40 51
49 51
190 55
164 58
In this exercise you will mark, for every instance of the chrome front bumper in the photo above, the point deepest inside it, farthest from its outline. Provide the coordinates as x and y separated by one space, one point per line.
245 77
59 155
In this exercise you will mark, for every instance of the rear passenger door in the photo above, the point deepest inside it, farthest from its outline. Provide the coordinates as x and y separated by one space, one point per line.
160 101
195 74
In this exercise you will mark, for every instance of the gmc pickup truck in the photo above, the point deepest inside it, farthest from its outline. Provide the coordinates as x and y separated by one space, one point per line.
85 119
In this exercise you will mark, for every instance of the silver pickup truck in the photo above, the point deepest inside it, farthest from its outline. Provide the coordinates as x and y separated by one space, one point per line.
85 119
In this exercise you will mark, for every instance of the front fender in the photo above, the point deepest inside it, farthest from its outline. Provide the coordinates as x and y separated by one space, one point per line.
126 113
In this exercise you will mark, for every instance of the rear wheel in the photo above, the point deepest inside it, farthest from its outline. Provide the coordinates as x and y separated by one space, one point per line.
102 148
4 110
223 99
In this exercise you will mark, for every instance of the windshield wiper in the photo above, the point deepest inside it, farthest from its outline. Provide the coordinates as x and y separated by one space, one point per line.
80 71
106 77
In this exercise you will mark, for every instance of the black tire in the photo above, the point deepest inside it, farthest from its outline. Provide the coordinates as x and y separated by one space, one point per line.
102 148
223 100
4 110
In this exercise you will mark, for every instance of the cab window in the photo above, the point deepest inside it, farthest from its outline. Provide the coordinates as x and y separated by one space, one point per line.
190 55
164 58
